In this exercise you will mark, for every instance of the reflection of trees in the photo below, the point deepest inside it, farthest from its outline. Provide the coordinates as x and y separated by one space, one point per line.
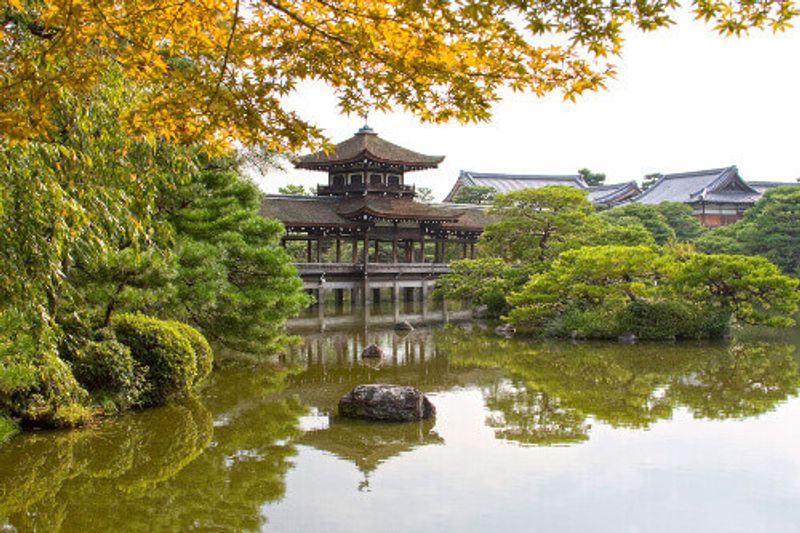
558 385
532 417
166 469
746 380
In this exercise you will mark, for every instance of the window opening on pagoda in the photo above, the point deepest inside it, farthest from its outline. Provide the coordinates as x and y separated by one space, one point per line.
375 179
338 180
394 179
356 179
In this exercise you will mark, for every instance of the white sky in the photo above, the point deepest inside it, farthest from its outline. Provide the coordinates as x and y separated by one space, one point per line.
684 99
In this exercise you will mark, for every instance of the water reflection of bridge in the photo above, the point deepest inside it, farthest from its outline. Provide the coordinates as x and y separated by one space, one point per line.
343 314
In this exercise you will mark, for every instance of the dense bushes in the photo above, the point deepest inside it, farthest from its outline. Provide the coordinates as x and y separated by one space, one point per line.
654 293
670 319
107 368
164 349
140 361
204 355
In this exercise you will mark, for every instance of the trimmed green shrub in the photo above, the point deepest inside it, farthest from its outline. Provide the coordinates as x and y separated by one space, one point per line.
594 323
164 350
204 355
107 369
670 319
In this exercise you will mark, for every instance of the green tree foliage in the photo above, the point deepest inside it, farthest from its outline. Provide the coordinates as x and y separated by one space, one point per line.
424 195
648 216
535 225
768 229
474 194
592 178
605 291
586 279
294 189
93 223
482 282
235 283
71 199
650 180
679 217
751 289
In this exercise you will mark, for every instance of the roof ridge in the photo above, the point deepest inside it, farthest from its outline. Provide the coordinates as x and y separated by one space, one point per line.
520 176
695 173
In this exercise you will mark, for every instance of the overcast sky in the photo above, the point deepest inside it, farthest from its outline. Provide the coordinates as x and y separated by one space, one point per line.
684 99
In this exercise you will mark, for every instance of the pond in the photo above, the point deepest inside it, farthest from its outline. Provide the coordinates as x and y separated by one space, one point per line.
529 436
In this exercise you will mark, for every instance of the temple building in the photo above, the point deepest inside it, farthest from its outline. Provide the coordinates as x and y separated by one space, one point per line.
718 196
363 231
605 195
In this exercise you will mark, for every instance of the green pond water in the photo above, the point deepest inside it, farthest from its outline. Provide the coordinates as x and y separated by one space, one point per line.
529 436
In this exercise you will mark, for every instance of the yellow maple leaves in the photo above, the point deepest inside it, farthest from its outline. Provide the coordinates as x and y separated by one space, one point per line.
216 71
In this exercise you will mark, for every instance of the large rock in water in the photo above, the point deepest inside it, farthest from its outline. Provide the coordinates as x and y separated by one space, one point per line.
386 402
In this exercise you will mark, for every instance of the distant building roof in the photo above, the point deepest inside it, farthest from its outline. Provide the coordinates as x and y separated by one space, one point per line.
764 186
722 185
503 183
613 193
366 144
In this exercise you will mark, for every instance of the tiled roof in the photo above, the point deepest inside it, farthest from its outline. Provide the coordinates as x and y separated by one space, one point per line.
613 193
332 211
304 210
503 183
366 144
719 184
393 209
764 186
473 217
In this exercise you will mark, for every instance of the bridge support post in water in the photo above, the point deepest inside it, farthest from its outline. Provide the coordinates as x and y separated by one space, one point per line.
339 295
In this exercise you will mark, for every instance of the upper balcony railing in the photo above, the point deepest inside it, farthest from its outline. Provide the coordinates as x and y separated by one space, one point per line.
403 190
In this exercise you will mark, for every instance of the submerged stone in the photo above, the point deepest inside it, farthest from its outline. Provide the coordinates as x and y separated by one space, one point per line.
372 351
386 402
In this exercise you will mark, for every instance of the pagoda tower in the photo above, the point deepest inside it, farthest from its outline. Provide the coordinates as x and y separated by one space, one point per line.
365 164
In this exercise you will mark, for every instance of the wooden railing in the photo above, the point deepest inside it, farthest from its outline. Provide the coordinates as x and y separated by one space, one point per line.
316 269
327 190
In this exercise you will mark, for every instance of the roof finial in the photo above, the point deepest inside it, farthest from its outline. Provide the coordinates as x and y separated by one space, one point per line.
365 128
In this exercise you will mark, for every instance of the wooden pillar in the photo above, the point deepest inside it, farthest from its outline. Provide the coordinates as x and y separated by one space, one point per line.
319 249
321 304
339 295
394 243
444 251
472 250
365 252
422 249
464 250
377 250
338 250
355 250
308 250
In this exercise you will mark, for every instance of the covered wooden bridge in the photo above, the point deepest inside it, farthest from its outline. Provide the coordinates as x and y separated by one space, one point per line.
363 234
